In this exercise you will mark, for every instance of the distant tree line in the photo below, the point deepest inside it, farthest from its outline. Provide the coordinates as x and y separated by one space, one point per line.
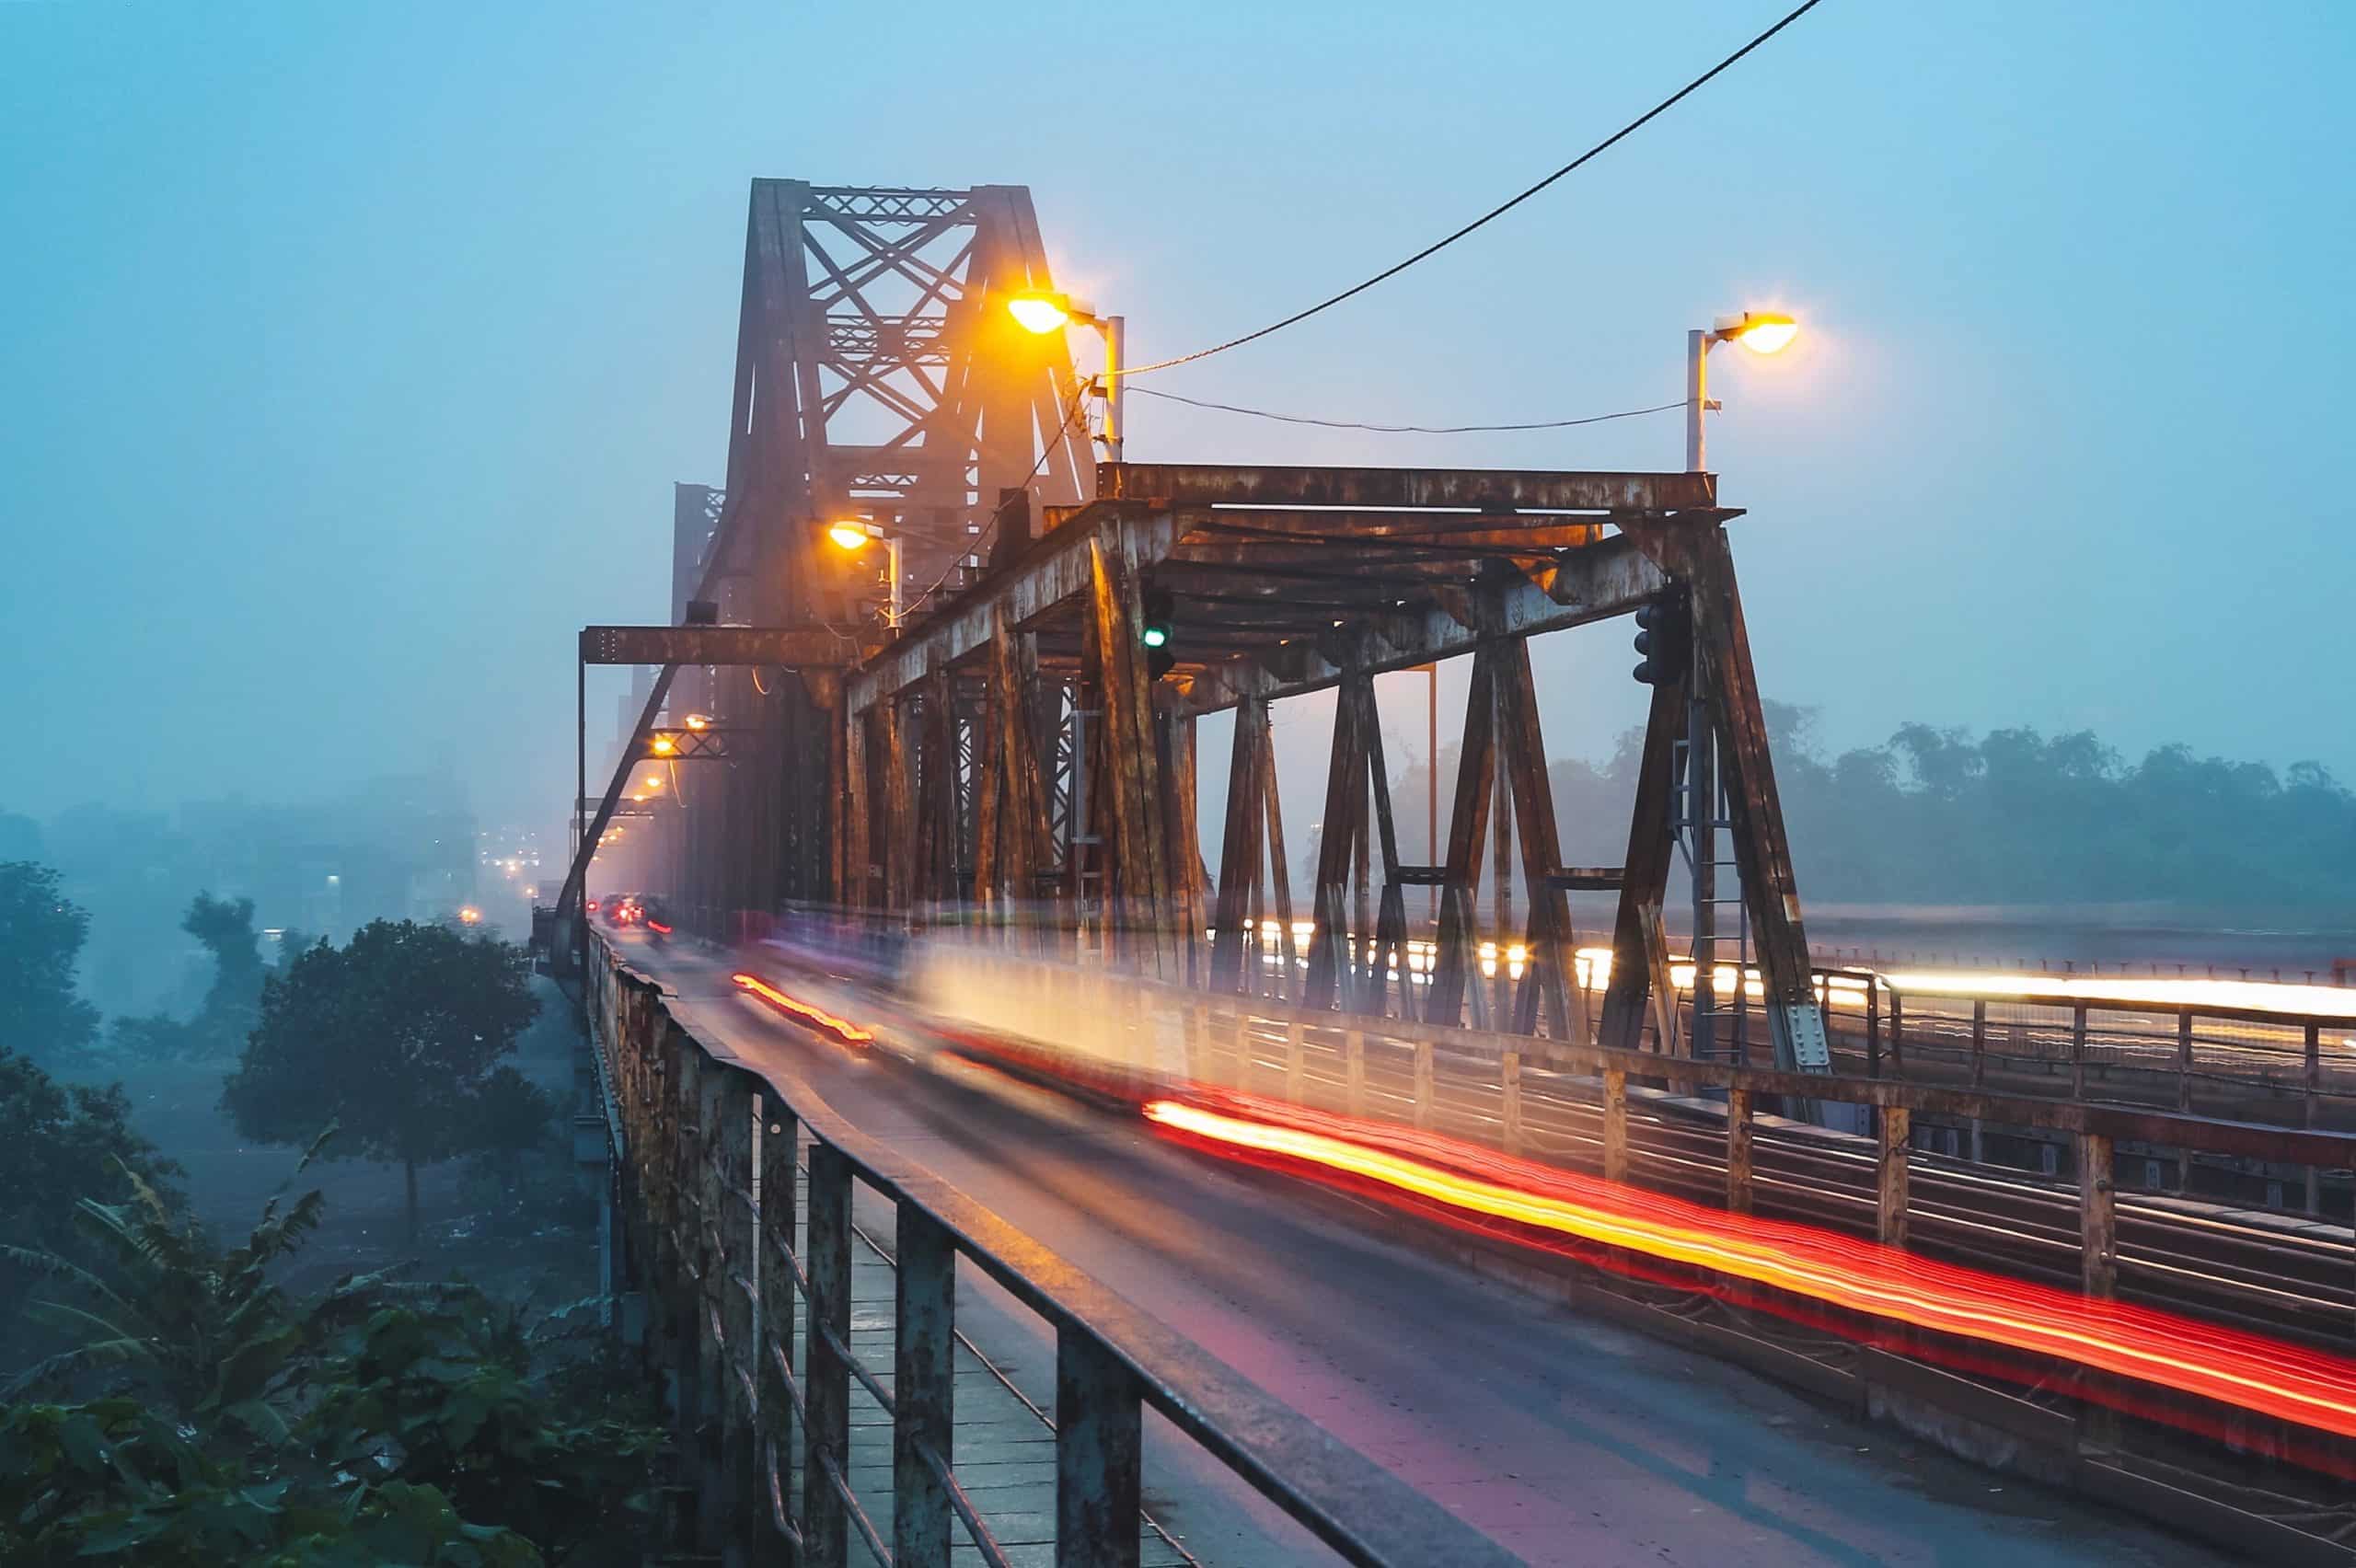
1940 816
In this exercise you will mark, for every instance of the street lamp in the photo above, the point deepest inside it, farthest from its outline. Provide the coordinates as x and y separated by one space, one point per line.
854 535
1048 310
1760 331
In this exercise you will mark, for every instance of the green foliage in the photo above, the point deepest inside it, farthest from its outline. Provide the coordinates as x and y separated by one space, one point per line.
41 932
376 1423
395 1036
202 1333
62 1138
115 1481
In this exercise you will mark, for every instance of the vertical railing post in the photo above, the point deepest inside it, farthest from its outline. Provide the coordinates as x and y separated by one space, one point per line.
1509 1080
2184 1060
1978 1044
826 1386
684 1309
1296 1066
1873 1027
1738 1150
1099 1460
2313 1092
1354 1071
713 1505
2098 1215
2078 1050
780 1134
1615 1123
1897 1127
735 1249
924 1380
1422 1084
1897 1035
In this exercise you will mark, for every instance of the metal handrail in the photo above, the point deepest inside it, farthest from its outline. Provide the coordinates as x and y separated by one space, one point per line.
698 1108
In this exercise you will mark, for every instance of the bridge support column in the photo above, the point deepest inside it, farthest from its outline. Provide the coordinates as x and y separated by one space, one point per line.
1890 1186
1456 946
2098 1215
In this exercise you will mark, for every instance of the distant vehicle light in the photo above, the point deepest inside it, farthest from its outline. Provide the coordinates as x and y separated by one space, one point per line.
470 915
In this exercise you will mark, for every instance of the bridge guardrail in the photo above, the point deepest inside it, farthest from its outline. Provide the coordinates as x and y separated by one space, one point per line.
712 1141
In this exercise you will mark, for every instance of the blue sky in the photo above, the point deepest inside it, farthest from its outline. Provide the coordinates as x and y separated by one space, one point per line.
350 350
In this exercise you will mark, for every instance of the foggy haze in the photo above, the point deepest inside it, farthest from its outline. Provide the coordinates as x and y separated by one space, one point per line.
352 355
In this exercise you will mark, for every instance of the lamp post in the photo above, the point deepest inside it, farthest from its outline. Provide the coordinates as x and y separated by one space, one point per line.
1762 332
854 536
1048 310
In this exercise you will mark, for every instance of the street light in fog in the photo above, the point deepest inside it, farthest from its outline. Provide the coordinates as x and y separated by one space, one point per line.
1760 331
1048 310
853 536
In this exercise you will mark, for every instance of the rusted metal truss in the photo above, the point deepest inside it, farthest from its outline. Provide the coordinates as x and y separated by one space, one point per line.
686 746
1016 746
1269 582
785 647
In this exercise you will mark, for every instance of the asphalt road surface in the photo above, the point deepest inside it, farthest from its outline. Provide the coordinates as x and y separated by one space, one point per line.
1567 1441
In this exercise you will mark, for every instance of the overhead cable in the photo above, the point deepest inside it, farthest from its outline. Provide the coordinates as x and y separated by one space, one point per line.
1497 211
1404 429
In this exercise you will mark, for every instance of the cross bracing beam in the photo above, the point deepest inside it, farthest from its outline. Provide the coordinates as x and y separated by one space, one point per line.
786 647
1406 573
1196 484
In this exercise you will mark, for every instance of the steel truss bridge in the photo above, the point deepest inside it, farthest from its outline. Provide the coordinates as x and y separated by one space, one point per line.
1014 763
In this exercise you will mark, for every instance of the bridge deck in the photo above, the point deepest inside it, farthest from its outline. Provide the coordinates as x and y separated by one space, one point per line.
1564 1440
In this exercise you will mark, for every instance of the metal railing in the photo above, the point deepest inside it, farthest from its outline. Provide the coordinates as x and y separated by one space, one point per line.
1490 1088
718 1244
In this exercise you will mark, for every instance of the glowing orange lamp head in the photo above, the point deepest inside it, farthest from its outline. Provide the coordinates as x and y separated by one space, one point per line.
1040 310
1760 331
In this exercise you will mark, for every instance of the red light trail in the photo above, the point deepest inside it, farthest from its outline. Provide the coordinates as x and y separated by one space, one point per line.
2309 1388
847 1033
655 925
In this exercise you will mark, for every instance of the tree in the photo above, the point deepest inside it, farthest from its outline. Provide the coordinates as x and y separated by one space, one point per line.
511 1117
395 1036
62 1138
41 932
233 1005
379 1422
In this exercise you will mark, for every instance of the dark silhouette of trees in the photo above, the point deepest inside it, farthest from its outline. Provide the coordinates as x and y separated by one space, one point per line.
232 1003
396 1036
2012 817
380 1420
41 932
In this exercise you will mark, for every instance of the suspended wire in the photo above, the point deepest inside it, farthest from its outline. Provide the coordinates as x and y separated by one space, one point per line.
1497 211
1403 429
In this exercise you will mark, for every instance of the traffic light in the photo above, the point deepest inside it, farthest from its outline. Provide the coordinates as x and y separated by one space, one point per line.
1155 633
1663 640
